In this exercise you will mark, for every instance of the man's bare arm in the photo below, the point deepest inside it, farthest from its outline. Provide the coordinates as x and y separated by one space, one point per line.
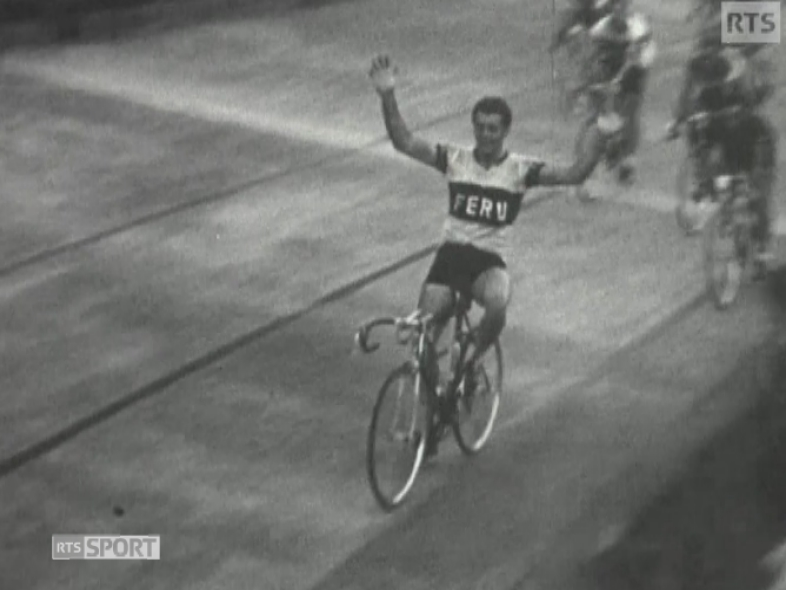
400 135
383 76
587 159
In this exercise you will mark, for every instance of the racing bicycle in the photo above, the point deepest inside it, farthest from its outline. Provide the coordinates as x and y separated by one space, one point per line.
419 403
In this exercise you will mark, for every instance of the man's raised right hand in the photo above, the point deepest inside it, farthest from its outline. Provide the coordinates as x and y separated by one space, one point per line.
383 74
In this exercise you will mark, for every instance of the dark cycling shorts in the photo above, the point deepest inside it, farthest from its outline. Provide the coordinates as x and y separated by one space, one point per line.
458 266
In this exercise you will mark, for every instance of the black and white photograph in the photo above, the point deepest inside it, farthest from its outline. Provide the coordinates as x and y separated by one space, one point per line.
392 295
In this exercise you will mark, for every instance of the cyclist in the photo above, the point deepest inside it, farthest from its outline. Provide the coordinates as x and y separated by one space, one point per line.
581 15
623 51
754 77
572 32
718 77
486 186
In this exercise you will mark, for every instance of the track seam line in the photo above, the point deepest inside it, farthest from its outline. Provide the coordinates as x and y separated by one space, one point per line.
160 384
210 198
38 449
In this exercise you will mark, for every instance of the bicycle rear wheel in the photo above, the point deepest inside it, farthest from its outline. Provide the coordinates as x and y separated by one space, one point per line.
476 414
726 251
396 437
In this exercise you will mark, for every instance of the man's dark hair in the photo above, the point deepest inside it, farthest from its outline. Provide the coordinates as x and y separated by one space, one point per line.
494 105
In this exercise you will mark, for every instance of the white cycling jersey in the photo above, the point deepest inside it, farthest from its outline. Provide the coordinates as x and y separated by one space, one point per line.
484 202
633 40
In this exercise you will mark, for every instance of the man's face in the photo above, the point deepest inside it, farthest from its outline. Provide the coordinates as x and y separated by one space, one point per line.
490 133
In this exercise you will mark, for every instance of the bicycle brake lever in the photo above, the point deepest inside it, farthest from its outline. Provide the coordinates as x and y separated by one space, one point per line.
361 339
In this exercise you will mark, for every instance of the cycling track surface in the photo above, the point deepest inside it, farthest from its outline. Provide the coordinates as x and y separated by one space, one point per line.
194 222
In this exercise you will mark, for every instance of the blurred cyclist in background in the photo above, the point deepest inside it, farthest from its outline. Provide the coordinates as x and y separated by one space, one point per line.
579 16
622 51
571 32
719 78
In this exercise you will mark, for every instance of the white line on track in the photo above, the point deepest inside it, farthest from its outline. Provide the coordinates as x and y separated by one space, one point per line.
198 102
217 107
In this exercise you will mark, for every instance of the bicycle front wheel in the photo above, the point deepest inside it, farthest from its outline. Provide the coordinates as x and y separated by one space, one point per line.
726 246
477 413
396 437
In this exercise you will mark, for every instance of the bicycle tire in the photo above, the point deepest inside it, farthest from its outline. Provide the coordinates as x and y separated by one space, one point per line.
724 280
472 447
387 499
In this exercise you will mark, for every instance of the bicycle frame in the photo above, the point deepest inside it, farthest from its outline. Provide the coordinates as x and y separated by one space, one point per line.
461 338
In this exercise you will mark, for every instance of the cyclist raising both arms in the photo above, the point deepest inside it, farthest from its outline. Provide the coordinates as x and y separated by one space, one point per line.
486 186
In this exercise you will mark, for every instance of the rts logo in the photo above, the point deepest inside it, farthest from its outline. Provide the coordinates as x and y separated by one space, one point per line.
751 22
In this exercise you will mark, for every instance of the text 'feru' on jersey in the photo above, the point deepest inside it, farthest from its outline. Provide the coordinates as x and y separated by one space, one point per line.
484 205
